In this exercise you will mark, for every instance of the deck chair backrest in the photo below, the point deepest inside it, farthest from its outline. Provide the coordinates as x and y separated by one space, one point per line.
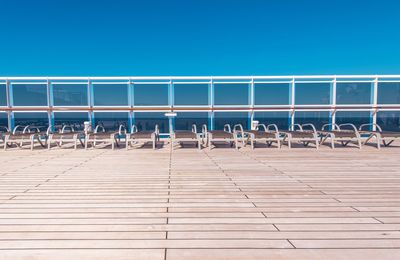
49 130
134 129
334 126
99 128
121 130
261 127
15 130
204 129
227 128
4 129
348 125
238 128
371 124
293 127
309 126
65 128
194 128
272 126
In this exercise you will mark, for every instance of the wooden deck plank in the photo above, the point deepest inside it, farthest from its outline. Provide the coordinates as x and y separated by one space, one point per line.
190 204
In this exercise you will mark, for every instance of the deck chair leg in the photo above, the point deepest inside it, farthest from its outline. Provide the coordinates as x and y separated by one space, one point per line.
32 143
49 143
378 142
359 143
209 144
252 143
386 144
5 143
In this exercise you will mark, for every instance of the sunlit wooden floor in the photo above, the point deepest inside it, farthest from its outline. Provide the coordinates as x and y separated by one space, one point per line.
191 204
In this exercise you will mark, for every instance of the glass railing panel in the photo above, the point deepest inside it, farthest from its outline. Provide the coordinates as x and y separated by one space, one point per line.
317 118
389 120
146 121
29 94
312 93
231 94
356 118
231 118
72 119
110 94
389 93
353 93
191 94
185 120
271 94
111 120
70 94
3 95
150 94
37 119
279 118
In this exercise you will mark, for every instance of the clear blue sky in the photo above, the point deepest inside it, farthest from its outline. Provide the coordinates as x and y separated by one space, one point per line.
203 37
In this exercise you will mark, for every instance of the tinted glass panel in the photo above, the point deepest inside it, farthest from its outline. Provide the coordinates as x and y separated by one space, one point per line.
29 94
389 120
111 120
110 94
281 119
3 120
40 120
231 94
231 118
271 94
389 93
148 121
192 95
354 117
353 93
74 119
185 120
70 94
3 95
312 93
150 94
317 118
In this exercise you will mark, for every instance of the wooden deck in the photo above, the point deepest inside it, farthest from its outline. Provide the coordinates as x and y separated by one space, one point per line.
190 204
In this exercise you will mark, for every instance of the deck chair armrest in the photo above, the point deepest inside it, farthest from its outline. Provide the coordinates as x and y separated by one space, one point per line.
370 124
350 125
